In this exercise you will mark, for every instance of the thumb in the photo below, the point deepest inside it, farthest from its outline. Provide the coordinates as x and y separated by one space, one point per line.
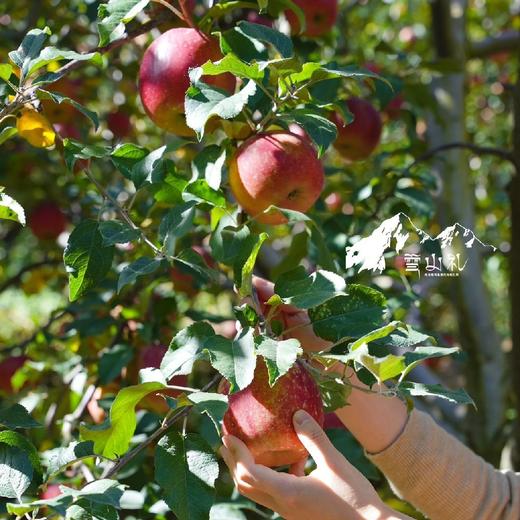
314 439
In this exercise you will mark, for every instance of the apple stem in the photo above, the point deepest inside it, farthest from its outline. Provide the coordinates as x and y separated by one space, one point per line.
186 15
175 11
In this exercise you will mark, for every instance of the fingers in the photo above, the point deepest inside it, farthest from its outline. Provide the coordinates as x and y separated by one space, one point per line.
298 468
314 439
259 477
237 473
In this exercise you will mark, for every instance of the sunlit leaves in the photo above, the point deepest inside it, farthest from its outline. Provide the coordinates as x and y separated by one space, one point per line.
16 471
35 129
279 356
113 438
114 15
418 389
141 267
10 209
29 48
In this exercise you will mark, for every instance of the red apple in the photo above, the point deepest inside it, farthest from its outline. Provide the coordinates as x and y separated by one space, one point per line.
300 132
163 76
8 368
261 416
394 107
67 130
357 140
275 168
320 16
119 124
47 221
151 357
52 491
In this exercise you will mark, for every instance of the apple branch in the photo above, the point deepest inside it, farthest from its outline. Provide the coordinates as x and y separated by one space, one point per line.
156 435
508 41
476 149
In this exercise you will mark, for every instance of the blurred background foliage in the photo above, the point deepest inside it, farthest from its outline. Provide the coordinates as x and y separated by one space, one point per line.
64 342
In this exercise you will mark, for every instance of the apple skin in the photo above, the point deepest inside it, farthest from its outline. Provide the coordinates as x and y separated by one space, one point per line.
8 368
360 138
163 75
47 221
320 16
261 416
275 168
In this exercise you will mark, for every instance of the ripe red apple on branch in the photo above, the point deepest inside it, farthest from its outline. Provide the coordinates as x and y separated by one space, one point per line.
275 168
261 416
356 141
8 368
163 75
320 16
47 221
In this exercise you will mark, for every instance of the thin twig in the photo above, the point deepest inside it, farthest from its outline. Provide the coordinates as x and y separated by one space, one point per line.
156 435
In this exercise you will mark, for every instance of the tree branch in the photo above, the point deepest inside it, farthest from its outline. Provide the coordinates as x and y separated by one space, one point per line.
507 41
479 150
156 435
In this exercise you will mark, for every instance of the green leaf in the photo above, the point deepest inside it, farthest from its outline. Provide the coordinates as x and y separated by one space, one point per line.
16 471
227 511
351 316
324 256
104 492
377 334
18 441
235 359
209 164
191 262
140 267
60 98
16 416
203 102
304 290
29 48
295 254
418 389
5 71
150 169
321 130
7 133
334 393
186 469
113 439
212 404
86 259
176 223
84 509
279 356
419 354
200 191
279 41
382 368
59 458
114 15
116 232
51 54
244 266
10 209
185 348
228 240
74 151
232 64
405 337
125 156
112 361
58 504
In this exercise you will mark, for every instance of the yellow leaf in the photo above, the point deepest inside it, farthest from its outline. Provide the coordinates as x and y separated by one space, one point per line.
35 128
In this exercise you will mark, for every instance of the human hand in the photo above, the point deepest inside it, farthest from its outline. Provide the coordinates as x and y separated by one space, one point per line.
335 490
295 321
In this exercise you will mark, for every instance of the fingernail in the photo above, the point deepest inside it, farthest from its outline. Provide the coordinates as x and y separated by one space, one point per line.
300 417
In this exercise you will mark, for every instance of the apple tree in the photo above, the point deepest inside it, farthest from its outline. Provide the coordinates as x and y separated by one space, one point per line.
164 158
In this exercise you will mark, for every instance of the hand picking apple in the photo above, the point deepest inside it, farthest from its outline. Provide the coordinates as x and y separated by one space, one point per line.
335 490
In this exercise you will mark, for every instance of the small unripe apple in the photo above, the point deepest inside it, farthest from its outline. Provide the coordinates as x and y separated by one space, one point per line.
357 140
47 221
320 16
8 368
261 416
275 168
163 75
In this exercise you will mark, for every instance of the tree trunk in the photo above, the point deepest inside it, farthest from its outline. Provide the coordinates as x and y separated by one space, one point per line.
456 204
